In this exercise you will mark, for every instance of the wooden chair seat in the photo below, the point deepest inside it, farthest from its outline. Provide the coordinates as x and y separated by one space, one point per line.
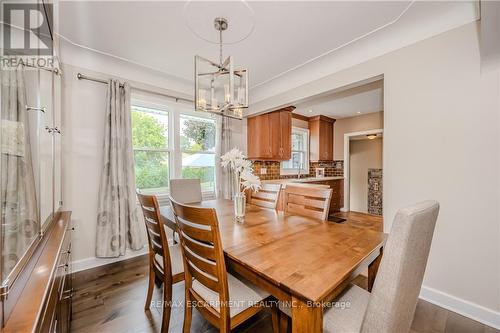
175 259
242 295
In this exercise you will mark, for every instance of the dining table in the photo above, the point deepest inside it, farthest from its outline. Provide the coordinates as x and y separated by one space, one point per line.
301 261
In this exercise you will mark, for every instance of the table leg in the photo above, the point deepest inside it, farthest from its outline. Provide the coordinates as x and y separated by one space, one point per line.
373 269
306 318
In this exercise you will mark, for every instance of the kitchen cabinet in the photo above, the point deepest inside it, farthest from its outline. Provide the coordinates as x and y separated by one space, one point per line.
269 136
321 138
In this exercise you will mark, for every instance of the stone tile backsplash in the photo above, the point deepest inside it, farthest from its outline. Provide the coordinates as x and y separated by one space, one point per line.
332 169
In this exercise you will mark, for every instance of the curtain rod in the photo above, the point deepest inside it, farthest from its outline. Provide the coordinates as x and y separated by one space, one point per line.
54 70
81 76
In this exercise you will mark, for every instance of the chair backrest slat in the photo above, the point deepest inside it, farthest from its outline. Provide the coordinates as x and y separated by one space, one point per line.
157 238
267 196
308 201
395 293
205 265
202 251
196 233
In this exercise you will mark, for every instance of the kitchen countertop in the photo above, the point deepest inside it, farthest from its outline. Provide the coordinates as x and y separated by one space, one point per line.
296 181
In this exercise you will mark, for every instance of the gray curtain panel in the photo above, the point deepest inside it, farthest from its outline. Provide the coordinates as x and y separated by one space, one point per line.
19 212
224 179
118 225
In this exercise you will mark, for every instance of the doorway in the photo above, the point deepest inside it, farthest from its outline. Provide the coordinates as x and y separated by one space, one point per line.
363 169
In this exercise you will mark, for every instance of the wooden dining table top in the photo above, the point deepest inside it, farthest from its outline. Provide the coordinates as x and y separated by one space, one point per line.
306 257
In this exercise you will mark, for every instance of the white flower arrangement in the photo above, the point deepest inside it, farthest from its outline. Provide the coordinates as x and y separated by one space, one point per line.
243 170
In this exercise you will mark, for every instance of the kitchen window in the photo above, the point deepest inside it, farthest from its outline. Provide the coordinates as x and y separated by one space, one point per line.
300 153
171 141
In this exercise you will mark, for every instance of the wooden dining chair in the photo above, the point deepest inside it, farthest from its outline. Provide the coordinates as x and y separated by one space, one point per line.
267 196
165 261
223 299
311 201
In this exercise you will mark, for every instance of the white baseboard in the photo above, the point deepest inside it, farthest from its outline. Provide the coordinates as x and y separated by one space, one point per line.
462 307
88 263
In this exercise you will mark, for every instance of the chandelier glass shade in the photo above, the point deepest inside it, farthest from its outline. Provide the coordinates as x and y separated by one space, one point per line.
219 88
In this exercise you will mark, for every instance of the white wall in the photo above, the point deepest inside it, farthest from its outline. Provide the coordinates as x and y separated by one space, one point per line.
83 132
363 155
365 122
441 141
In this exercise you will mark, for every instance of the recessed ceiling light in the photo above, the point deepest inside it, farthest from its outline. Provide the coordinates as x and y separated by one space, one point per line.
359 112
310 111
371 136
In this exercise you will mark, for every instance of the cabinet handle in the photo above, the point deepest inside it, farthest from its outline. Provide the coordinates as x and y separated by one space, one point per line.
69 296
34 108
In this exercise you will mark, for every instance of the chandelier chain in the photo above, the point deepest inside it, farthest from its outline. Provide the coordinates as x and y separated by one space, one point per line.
220 48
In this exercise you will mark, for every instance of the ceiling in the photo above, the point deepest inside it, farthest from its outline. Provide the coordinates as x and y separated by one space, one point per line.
164 35
362 99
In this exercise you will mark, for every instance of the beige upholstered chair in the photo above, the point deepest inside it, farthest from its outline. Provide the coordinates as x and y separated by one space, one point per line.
267 196
185 190
165 262
223 299
391 305
312 201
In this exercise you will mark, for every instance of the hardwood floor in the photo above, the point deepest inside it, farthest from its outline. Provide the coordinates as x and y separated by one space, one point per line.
111 299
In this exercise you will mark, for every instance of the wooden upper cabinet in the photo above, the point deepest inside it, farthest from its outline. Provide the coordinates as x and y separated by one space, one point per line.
321 138
259 137
269 136
286 135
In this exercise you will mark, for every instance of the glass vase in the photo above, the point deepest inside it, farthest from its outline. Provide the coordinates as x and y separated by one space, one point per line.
239 206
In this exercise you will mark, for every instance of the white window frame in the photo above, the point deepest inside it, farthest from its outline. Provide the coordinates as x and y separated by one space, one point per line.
153 104
295 171
174 110
187 112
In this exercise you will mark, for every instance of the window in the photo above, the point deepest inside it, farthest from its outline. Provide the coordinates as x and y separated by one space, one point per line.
197 141
151 149
171 141
300 153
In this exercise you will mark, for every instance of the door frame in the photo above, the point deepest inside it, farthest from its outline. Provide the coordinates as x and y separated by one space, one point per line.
347 140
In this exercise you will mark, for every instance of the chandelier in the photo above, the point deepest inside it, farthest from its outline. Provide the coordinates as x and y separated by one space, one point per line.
219 88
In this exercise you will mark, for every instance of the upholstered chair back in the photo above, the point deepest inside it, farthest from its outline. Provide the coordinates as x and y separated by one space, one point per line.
397 286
